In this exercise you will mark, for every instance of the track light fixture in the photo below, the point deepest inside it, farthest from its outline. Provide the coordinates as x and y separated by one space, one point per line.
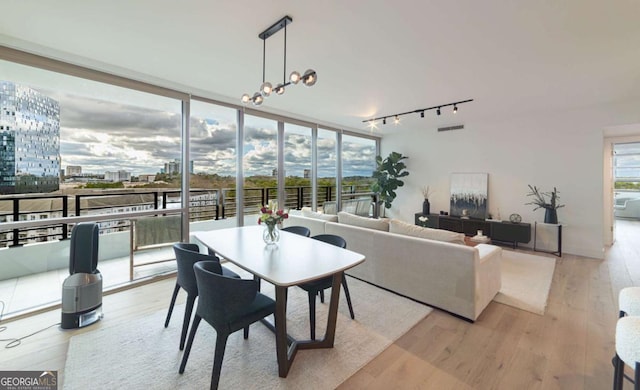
308 78
420 110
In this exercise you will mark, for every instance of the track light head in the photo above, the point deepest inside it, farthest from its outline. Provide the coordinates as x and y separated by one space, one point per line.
438 111
455 109
396 120
421 114
309 78
384 121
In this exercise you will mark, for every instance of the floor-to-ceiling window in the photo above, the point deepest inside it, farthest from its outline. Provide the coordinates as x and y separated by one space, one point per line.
327 170
80 147
358 164
260 164
297 166
213 133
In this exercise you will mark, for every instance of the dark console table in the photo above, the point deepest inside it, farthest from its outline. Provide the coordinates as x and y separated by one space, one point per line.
499 232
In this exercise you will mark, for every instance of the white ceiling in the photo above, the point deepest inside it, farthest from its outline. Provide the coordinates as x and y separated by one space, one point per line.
373 58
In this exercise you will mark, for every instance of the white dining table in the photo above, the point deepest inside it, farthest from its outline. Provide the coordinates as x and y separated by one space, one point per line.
293 260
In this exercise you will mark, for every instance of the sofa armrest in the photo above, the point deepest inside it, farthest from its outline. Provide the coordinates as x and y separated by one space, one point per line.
488 252
488 275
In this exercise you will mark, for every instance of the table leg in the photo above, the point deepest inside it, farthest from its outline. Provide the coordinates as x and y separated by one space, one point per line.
330 334
284 352
287 347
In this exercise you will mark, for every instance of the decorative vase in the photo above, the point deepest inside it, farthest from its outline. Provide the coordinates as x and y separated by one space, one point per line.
550 216
271 234
425 207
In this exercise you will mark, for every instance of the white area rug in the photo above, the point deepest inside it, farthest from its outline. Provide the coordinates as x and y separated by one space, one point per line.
142 354
526 280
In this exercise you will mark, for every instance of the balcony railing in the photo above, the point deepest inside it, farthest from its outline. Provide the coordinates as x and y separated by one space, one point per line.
213 204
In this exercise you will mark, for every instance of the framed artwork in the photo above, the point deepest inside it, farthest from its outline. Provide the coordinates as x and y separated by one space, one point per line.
469 195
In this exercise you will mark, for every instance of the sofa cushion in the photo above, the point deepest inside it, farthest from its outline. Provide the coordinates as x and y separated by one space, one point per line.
401 227
307 212
370 223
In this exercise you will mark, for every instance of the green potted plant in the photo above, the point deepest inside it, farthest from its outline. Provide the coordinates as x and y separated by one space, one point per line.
387 178
540 201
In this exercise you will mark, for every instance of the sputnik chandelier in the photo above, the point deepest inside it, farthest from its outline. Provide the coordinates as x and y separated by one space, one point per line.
308 78
396 117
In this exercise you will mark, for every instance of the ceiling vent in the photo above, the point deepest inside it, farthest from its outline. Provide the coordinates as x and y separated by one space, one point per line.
449 128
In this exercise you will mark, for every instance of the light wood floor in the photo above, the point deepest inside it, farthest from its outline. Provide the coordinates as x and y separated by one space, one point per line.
570 347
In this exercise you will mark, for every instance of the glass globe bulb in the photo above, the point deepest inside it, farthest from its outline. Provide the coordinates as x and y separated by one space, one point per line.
294 77
266 88
245 98
279 89
309 78
257 99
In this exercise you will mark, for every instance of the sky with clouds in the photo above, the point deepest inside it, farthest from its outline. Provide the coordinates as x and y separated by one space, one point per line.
101 135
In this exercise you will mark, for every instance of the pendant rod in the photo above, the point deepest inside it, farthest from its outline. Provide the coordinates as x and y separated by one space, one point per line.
284 69
264 56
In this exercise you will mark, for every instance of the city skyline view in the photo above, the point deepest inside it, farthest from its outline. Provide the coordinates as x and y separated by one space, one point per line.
101 135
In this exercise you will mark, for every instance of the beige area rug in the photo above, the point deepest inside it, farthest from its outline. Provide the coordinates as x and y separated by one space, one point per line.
142 354
526 280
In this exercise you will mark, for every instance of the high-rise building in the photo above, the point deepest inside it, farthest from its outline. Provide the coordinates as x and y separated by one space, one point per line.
175 167
74 170
29 140
117 176
172 168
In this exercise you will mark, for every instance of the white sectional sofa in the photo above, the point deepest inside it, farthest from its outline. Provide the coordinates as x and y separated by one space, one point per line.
450 276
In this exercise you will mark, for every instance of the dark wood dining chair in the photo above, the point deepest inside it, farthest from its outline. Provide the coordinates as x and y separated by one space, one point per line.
186 256
299 230
318 286
228 305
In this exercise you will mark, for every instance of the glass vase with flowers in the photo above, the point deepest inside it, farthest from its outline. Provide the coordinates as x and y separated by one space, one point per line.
272 219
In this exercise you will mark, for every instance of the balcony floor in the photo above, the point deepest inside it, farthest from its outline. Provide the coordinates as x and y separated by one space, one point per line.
31 292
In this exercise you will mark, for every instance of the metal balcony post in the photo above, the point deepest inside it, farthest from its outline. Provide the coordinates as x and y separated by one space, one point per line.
16 218
65 213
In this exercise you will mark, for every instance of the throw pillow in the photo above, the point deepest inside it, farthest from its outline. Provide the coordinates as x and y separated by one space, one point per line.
307 212
401 227
370 223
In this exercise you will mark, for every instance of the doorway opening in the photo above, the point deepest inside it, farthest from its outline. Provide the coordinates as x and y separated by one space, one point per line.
626 187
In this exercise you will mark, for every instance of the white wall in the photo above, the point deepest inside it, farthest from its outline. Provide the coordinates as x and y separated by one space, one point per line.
564 150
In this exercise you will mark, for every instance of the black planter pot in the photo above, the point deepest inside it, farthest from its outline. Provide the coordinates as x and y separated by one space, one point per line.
426 207
550 216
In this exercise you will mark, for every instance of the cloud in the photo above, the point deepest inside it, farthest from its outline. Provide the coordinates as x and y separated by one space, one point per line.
108 136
